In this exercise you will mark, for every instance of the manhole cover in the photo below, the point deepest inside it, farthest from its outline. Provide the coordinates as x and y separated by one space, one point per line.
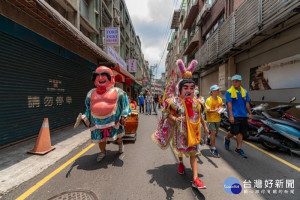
75 195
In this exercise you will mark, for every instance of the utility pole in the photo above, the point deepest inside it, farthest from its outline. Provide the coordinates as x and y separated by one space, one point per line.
152 69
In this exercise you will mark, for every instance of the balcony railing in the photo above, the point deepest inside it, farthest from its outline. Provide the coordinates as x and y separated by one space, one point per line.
249 19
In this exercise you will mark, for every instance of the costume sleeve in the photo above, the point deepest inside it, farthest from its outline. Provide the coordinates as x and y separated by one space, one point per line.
167 109
126 110
87 113
228 97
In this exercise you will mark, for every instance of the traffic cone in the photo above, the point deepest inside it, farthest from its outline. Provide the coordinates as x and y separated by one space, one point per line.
43 143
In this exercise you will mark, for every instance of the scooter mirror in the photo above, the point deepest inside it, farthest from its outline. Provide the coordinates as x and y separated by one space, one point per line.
292 99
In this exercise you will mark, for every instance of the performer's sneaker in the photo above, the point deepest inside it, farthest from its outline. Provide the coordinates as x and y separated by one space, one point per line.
180 168
121 147
100 156
197 183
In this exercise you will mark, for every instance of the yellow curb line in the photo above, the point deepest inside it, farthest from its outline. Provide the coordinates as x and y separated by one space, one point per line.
52 174
269 154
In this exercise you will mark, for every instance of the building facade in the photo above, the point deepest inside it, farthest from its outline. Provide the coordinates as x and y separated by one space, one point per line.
257 39
49 49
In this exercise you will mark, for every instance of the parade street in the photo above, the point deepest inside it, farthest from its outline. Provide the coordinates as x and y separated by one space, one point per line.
144 171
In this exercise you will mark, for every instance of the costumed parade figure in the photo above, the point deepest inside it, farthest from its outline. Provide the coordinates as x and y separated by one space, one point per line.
106 110
181 118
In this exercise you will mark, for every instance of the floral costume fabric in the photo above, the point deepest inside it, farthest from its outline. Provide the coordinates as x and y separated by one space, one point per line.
168 130
108 128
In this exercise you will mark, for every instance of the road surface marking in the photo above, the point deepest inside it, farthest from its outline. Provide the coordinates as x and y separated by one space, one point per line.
51 175
269 154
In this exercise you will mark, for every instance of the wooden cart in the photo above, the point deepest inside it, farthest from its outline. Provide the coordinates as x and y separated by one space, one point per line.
131 126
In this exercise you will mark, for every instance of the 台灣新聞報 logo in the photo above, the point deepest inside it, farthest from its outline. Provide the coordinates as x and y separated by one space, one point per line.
232 186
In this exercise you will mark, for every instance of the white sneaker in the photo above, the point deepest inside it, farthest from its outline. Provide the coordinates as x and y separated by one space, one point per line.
100 156
121 147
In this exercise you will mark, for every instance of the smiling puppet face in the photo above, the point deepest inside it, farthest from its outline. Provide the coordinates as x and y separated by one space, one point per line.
187 91
103 77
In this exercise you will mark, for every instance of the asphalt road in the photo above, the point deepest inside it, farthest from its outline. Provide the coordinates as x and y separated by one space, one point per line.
144 171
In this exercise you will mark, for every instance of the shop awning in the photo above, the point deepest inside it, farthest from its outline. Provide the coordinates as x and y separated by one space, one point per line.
43 13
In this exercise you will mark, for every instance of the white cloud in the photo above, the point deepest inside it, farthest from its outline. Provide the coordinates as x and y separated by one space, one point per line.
151 21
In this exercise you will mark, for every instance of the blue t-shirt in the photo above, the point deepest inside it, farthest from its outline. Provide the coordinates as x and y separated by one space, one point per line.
141 99
238 105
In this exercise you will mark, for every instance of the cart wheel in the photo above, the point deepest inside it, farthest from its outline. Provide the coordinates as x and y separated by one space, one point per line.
134 138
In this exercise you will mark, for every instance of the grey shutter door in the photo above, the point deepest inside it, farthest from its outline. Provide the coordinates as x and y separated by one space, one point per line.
37 84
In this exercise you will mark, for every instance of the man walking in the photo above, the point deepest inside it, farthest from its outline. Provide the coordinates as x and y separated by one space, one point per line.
141 102
149 101
237 100
213 118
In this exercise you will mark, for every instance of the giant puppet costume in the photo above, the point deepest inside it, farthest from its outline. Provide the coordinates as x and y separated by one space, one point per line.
106 110
181 118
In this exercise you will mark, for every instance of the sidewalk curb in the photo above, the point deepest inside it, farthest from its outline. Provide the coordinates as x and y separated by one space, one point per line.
18 167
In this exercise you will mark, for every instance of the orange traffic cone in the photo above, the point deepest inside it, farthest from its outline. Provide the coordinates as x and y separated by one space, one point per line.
43 143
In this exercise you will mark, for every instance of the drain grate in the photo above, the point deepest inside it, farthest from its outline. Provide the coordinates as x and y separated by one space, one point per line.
75 195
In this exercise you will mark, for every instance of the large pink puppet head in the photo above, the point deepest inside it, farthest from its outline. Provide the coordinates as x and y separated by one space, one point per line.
186 85
103 79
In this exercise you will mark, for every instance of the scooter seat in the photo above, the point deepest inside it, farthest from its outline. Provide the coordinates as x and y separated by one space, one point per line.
281 107
295 125
258 117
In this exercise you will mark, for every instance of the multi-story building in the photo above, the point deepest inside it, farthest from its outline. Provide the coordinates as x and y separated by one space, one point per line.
257 39
54 45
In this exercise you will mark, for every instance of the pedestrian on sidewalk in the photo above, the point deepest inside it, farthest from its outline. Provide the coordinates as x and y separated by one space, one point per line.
180 122
141 102
155 103
105 123
237 100
214 105
149 101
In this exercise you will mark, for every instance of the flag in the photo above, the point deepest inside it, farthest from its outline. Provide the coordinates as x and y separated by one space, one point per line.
170 88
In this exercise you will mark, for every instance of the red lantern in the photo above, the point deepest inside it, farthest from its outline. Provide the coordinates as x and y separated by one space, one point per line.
118 78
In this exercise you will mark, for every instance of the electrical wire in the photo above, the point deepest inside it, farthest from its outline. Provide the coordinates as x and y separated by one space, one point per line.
168 38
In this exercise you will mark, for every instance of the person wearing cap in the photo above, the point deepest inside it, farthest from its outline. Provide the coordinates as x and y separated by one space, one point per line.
237 100
213 105
141 99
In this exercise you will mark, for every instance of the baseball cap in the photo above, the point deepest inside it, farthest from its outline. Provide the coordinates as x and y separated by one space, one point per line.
236 77
214 87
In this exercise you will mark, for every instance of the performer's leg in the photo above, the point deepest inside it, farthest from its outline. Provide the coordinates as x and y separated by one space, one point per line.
101 155
194 166
102 146
121 146
197 183
119 141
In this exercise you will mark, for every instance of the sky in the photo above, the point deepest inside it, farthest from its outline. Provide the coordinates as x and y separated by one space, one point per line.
151 22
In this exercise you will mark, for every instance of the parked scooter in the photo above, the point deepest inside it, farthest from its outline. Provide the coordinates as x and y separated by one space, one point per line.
255 125
282 134
281 109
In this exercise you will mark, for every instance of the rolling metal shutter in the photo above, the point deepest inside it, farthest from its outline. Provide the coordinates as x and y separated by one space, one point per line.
37 84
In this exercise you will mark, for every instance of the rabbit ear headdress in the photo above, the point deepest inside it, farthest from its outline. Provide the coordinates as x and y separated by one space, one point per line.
185 73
